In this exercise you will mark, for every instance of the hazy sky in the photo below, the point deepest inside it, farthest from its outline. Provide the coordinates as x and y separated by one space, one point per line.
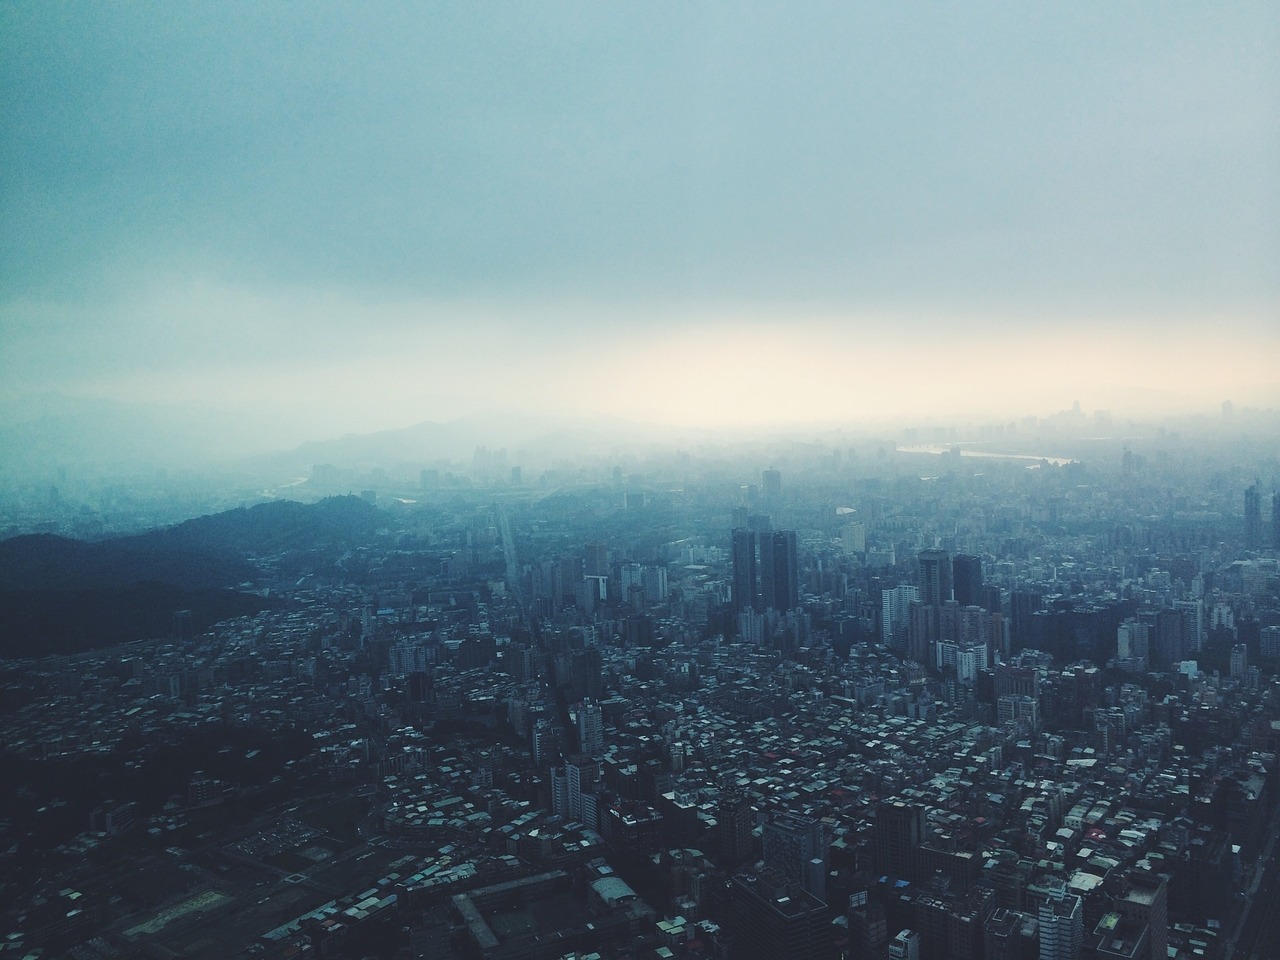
363 215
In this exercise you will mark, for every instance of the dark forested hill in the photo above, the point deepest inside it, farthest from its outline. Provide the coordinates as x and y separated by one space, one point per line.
62 595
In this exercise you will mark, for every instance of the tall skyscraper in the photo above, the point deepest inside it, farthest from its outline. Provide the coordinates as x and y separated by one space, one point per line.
779 571
935 577
1275 520
966 576
1252 518
744 571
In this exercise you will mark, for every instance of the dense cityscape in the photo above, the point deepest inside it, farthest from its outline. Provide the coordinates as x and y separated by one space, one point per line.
639 481
1012 695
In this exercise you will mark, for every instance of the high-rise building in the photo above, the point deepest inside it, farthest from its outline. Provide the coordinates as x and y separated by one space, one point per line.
773 919
896 839
735 820
582 775
1193 611
1275 520
771 484
1239 660
766 573
1252 518
1022 605
591 729
779 571
895 612
1169 644
868 928
1146 900
744 571
544 743
596 561
935 577
966 577
1061 917
585 674
791 843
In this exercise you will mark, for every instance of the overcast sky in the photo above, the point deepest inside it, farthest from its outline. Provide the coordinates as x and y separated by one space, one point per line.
365 215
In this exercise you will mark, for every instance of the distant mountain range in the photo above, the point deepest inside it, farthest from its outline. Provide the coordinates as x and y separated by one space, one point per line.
61 595
112 438
526 438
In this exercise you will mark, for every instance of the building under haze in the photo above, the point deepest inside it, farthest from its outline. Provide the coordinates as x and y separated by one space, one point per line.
744 570
766 570
935 577
779 571
1253 518
966 577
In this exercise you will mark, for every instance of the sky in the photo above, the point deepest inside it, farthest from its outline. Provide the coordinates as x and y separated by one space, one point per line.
341 217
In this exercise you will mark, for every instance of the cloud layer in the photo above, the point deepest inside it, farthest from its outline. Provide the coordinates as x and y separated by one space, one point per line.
239 202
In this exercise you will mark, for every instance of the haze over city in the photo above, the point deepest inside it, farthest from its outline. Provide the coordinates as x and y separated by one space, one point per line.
639 481
341 219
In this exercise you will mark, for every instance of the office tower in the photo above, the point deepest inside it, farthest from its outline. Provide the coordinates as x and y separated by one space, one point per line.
735 820
1193 611
950 925
779 571
1146 900
1269 641
1275 520
966 577
629 575
744 571
791 843
895 612
655 584
1061 917
922 631
771 484
1239 660
1169 644
935 577
990 598
585 674
581 777
770 918
591 729
1133 638
1253 518
896 838
559 792
544 743
1022 604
